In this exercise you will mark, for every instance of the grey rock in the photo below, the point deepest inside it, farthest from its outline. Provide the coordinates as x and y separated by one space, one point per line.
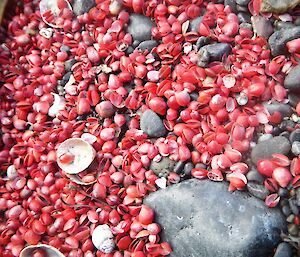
179 167
290 218
262 26
194 96
164 166
140 27
200 218
297 21
295 136
293 206
285 134
294 99
292 80
284 250
69 64
213 52
284 109
266 148
152 124
298 196
293 229
194 24
283 192
82 6
278 39
286 210
283 25
246 25
276 6
257 190
244 17
201 41
296 148
243 2
264 137
254 175
201 165
65 48
241 8
188 168
147 45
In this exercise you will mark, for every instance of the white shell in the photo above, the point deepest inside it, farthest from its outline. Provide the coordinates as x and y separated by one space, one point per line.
84 155
103 239
58 104
11 172
50 250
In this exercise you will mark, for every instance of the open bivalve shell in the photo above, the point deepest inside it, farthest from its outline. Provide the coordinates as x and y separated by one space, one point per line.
45 250
75 155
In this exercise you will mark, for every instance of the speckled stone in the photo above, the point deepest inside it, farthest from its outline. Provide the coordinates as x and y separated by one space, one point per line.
200 218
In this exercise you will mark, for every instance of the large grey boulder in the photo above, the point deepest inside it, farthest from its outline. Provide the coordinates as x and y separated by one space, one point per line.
200 218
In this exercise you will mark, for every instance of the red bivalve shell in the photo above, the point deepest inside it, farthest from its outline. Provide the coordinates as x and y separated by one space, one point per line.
237 180
266 167
282 176
146 215
272 200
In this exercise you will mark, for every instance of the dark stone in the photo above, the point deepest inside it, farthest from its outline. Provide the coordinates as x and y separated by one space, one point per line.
278 40
194 96
243 2
244 17
264 137
213 52
254 175
262 26
283 192
202 41
276 6
293 206
241 8
194 24
246 25
295 136
285 134
257 190
82 6
152 124
287 125
69 64
292 80
66 78
179 167
147 45
129 50
294 99
284 109
140 27
286 210
284 250
266 148
232 5
164 166
200 218
188 169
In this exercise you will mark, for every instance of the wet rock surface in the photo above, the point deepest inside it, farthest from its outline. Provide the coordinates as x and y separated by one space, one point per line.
278 40
276 6
140 27
152 124
82 6
219 223
265 149
291 81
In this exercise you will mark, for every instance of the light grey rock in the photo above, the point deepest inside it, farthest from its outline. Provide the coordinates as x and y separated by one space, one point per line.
284 109
292 80
278 40
264 137
276 6
152 124
83 6
296 148
283 25
140 27
257 190
163 167
200 218
69 64
244 17
294 99
194 24
147 45
262 26
295 136
265 149
283 250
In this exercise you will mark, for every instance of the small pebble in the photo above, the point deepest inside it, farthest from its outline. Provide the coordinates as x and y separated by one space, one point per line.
283 250
82 6
140 27
285 134
275 106
241 8
286 210
232 4
295 136
244 17
293 229
202 41
65 48
147 45
294 99
254 175
179 167
283 192
296 148
163 167
264 137
293 206
243 2
257 190
69 64
213 52
188 169
287 125
298 196
201 165
152 124
290 218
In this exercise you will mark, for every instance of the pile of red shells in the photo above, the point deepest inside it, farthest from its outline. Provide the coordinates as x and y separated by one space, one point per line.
40 204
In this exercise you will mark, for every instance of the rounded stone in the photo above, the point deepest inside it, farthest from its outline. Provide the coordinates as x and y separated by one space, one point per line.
243 2
188 168
140 27
254 175
295 136
179 167
69 64
265 149
194 24
262 26
274 106
294 99
286 210
82 6
264 137
291 81
244 17
296 148
164 166
147 45
152 124
284 250
257 190
293 229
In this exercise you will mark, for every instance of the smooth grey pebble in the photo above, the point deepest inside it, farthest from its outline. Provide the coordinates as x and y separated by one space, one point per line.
82 6
194 24
69 64
254 175
152 124
188 168
295 136
244 17
147 45
286 210
292 79
179 167
283 250
296 148
140 27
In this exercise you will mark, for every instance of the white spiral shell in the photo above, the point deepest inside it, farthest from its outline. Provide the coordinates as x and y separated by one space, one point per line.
103 239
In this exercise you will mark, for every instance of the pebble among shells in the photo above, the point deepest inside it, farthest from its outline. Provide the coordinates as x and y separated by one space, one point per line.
102 239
